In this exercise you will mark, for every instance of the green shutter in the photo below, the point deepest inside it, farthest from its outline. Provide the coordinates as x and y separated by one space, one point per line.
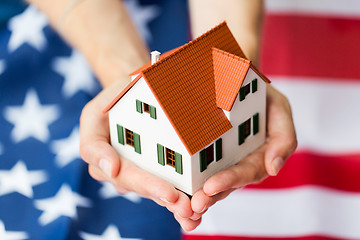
152 112
254 85
178 163
139 106
242 93
255 123
120 132
137 143
218 149
203 163
241 133
160 153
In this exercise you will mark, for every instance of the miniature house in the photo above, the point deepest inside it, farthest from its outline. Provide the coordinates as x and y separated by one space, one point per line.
191 112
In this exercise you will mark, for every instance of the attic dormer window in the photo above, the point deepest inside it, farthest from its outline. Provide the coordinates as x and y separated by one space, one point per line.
245 90
144 107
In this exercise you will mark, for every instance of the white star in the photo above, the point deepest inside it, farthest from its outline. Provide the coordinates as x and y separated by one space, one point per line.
142 16
2 66
27 28
31 119
77 73
67 149
108 191
20 180
7 235
64 203
111 233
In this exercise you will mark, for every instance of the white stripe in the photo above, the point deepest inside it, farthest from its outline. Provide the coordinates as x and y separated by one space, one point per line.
326 113
341 8
285 213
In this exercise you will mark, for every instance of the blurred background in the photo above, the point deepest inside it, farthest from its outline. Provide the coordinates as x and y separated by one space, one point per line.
309 50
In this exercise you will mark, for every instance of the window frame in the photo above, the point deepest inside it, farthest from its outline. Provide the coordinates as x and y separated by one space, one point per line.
170 157
129 137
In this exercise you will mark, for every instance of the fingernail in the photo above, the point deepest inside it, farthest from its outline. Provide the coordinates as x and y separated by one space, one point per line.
276 166
165 200
213 194
179 215
105 166
203 210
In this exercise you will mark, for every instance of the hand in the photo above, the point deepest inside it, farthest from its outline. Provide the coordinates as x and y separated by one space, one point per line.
105 164
267 160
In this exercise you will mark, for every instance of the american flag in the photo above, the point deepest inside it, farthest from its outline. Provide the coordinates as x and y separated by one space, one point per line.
309 51
45 190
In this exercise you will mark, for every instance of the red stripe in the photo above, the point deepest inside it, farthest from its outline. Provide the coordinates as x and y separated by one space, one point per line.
341 172
311 46
198 237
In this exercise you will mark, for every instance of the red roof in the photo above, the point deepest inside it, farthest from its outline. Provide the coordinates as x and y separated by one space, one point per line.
183 82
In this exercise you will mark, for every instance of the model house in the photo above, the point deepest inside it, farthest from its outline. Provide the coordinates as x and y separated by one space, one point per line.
191 112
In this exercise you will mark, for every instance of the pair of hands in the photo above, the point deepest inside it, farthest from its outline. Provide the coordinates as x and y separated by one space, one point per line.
105 164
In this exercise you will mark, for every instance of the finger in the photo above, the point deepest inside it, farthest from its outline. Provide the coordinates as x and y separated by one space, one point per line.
182 207
144 183
94 132
96 173
281 141
94 140
201 202
99 175
197 216
187 224
101 155
159 202
249 170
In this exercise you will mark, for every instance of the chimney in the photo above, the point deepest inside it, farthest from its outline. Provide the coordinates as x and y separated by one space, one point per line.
155 56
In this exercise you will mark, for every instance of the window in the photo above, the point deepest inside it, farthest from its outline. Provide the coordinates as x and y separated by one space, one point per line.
129 135
133 139
244 91
244 131
144 107
247 128
207 154
172 158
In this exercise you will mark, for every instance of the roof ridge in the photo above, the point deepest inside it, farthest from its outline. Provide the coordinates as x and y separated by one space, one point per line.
185 46
245 60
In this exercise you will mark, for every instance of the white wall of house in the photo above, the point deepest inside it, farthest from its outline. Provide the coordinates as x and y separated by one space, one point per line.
231 151
151 131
